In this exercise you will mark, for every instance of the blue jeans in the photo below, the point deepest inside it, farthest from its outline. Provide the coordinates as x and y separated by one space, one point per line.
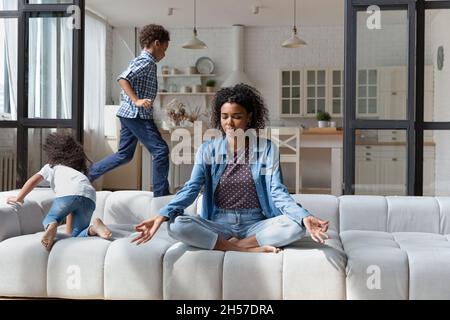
81 208
202 233
144 130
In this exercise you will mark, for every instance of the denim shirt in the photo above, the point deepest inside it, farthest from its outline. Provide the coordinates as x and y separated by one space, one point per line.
210 163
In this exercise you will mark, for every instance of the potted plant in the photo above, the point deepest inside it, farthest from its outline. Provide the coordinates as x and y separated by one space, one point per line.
210 85
323 118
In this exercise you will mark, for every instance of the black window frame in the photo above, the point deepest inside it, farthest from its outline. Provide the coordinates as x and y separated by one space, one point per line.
414 125
23 123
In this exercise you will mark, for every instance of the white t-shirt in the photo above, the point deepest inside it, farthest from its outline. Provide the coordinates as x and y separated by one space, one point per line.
66 181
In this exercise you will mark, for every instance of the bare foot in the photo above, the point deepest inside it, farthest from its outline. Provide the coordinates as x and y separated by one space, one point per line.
233 240
264 249
48 237
99 229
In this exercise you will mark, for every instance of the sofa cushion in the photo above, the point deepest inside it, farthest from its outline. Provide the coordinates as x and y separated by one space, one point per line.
429 261
362 213
75 268
136 271
444 214
322 206
18 219
100 204
377 268
413 214
191 273
127 207
314 271
23 267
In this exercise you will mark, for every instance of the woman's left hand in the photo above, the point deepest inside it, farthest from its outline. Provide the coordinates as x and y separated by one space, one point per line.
317 228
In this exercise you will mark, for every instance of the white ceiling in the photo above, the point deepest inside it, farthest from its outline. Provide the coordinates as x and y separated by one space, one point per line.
219 13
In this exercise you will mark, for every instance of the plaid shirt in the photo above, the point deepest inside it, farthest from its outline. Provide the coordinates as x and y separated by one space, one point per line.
141 74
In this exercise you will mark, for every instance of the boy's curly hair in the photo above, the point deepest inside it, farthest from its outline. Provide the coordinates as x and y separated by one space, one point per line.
63 149
247 97
152 32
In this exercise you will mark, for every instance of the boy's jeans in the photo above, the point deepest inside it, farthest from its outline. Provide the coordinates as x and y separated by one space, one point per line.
240 223
81 208
144 130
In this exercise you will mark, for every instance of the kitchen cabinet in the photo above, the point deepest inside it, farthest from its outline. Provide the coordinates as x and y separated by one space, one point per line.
381 170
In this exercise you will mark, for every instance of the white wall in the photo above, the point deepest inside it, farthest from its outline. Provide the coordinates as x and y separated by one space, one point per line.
123 41
435 37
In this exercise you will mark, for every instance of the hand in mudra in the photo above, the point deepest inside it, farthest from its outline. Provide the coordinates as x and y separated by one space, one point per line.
317 228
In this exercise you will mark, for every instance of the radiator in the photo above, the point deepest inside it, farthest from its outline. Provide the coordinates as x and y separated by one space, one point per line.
7 170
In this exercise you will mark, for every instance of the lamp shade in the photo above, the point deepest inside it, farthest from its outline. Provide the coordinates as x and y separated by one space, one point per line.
194 43
293 42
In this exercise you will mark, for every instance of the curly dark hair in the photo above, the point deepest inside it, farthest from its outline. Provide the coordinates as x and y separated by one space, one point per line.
63 149
247 97
152 32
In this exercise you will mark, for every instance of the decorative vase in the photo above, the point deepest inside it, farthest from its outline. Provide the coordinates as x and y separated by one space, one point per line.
323 124
210 89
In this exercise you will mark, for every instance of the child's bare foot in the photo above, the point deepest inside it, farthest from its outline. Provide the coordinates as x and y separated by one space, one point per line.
271 249
49 236
99 229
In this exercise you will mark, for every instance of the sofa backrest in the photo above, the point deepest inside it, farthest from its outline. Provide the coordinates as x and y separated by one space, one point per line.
395 213
132 207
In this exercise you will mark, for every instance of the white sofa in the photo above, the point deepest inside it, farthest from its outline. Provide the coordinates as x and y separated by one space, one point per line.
380 248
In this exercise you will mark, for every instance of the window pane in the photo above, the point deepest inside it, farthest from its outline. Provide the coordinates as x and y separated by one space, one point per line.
336 92
437 66
336 77
36 156
285 107
436 163
295 78
311 91
382 63
286 78
320 104
296 92
311 106
311 77
372 107
336 106
380 165
321 77
9 5
8 69
286 92
50 68
8 159
321 92
295 106
362 106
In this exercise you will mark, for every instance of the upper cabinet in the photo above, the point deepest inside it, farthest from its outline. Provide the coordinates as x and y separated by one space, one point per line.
367 93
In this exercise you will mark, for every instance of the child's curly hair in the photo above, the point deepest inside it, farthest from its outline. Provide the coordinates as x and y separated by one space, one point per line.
245 96
152 32
63 149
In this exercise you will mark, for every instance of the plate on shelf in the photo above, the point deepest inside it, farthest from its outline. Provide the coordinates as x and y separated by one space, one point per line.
204 65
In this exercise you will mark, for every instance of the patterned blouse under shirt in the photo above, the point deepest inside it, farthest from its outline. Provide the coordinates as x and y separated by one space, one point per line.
236 188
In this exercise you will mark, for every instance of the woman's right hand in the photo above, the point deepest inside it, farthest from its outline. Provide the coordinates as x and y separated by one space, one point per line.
148 228
14 200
